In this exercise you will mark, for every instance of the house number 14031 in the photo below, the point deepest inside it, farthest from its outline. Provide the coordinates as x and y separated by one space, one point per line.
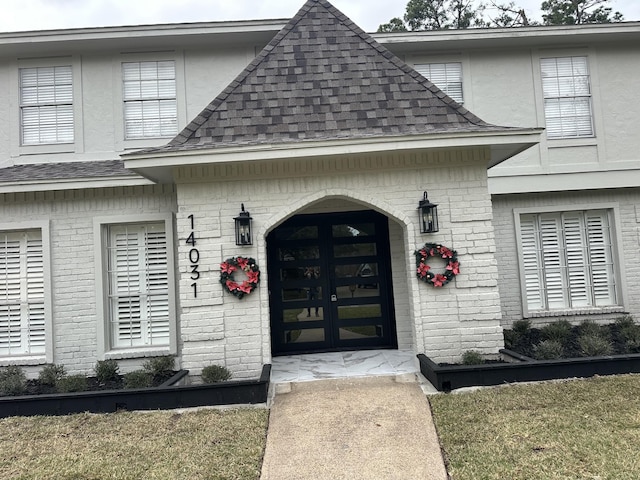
194 257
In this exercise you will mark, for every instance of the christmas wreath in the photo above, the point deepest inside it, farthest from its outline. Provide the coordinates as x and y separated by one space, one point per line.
248 266
424 272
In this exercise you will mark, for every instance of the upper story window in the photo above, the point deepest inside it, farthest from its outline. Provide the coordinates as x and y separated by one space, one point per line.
567 260
567 97
149 91
46 105
446 76
22 289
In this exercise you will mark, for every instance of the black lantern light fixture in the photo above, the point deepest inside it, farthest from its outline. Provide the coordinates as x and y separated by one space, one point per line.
243 227
428 213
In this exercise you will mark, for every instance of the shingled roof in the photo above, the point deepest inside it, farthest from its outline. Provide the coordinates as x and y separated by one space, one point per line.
323 78
65 171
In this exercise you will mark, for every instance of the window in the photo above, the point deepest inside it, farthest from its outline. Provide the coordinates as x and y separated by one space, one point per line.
567 260
149 91
138 285
22 304
446 76
567 97
46 105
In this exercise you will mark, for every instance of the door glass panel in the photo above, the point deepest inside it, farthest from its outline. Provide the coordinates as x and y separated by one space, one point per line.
353 230
289 254
359 311
299 273
357 291
366 331
361 271
354 250
295 294
297 233
307 314
304 335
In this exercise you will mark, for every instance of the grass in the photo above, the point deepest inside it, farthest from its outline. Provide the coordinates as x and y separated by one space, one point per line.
207 444
582 429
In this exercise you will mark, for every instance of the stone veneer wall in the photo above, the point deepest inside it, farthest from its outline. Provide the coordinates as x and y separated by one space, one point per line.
218 328
626 203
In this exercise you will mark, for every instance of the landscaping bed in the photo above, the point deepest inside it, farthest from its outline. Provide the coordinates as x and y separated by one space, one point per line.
597 350
145 390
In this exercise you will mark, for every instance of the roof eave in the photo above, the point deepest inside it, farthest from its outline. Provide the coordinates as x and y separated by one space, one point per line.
73 184
158 165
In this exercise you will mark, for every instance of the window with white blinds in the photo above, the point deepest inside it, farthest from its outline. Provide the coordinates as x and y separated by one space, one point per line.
22 311
567 260
446 76
149 92
566 89
46 105
138 285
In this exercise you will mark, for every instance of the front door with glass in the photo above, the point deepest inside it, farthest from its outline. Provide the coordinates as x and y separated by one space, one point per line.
329 283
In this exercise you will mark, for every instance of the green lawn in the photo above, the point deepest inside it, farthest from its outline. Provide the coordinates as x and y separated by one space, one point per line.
207 444
583 429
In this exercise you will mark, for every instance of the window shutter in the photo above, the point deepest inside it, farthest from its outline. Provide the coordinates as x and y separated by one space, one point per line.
552 260
576 253
139 282
22 315
533 275
601 258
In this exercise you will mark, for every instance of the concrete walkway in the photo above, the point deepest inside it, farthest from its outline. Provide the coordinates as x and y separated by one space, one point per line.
371 428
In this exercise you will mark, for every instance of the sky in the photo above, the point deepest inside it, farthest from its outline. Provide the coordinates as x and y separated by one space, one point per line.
23 15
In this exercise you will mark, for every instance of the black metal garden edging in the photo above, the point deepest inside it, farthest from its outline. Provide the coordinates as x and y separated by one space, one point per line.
166 396
450 377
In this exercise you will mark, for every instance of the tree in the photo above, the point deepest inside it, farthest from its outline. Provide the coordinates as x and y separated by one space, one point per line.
510 16
578 12
436 15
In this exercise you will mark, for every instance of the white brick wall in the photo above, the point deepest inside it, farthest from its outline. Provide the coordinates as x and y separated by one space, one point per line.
626 229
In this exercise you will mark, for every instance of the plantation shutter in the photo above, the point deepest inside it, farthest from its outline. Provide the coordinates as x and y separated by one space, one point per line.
567 97
601 258
46 105
139 295
552 260
446 76
149 93
22 316
531 262
576 258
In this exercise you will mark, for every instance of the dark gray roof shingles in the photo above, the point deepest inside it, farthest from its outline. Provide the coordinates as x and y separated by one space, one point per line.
64 171
323 78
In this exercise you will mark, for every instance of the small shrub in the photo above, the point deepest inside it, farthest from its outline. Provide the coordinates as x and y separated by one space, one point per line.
625 321
215 374
548 350
137 379
590 328
72 383
159 367
510 339
521 327
51 374
594 345
558 331
629 333
472 357
106 371
13 381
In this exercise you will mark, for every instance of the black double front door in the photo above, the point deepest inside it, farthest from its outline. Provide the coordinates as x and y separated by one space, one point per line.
329 283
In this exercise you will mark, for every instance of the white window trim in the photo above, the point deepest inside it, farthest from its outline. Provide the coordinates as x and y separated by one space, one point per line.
105 350
43 226
617 251
122 143
77 146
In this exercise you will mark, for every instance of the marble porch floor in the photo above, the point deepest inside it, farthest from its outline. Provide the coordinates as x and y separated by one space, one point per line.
361 363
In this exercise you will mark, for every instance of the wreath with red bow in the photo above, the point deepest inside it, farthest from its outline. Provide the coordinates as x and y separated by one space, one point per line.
424 272
246 265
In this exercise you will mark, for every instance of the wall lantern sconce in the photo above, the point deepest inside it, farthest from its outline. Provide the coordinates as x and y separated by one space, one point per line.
243 228
428 213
